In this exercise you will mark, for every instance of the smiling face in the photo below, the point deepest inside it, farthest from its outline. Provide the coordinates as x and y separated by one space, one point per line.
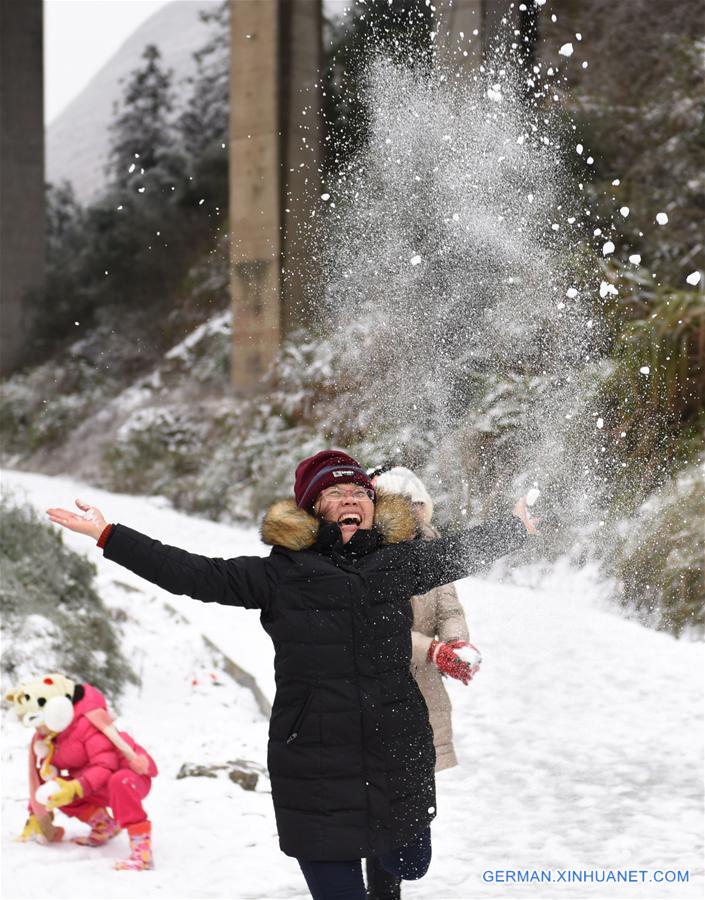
350 506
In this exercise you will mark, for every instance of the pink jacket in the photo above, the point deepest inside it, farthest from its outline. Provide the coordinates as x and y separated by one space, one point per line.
86 752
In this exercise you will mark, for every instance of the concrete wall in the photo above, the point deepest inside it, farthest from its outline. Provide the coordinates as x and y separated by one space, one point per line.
22 214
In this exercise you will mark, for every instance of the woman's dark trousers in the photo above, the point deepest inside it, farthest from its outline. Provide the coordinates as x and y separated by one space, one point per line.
381 884
343 880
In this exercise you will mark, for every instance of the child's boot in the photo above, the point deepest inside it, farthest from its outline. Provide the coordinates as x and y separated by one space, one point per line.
140 848
103 828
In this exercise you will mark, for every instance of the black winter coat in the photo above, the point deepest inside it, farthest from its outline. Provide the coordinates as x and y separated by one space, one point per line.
351 755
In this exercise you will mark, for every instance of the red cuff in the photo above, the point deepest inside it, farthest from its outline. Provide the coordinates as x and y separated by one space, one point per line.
104 535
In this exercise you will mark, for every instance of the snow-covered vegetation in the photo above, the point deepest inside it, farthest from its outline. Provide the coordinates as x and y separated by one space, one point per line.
51 608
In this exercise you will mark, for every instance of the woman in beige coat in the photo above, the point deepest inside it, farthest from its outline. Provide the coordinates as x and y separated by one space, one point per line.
439 622
438 617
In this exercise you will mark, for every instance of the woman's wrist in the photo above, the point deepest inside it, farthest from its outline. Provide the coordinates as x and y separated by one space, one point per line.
433 649
103 535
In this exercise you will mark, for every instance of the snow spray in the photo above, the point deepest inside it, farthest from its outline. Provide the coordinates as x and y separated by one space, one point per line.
458 300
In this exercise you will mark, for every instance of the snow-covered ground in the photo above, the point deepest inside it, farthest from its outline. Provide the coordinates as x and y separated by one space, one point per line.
580 743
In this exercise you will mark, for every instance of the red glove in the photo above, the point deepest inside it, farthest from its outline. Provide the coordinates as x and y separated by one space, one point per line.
448 661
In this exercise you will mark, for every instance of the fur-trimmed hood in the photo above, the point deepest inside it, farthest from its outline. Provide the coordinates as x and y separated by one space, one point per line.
286 525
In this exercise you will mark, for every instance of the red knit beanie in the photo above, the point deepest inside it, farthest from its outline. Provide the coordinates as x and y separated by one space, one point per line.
315 473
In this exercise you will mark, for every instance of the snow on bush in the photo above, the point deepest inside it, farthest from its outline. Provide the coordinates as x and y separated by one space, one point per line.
660 560
53 618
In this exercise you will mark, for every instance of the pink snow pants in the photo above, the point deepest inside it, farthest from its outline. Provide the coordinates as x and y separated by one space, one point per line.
123 793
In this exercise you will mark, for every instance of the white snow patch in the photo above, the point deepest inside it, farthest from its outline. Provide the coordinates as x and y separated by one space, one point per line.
218 324
573 751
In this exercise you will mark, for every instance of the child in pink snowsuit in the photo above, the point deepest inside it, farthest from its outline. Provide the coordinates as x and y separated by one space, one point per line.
104 768
103 772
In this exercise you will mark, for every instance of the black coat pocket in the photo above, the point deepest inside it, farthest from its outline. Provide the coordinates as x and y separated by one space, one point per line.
296 728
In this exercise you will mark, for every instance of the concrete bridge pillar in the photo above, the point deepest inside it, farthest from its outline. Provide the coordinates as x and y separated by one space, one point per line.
275 56
22 215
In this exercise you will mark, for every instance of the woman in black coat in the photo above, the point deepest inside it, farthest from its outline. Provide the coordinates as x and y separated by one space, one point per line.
350 753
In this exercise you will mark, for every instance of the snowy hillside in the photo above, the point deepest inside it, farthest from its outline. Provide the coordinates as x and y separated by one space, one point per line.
77 140
580 742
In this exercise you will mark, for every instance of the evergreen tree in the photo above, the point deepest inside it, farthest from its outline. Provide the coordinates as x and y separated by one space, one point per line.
56 307
144 152
64 220
204 124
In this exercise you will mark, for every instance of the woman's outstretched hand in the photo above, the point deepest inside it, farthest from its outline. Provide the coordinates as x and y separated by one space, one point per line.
521 511
91 522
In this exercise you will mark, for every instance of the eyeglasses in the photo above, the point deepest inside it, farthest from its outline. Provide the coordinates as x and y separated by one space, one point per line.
359 494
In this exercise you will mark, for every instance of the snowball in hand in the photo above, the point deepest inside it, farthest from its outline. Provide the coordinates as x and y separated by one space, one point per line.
470 655
90 513
532 496
48 789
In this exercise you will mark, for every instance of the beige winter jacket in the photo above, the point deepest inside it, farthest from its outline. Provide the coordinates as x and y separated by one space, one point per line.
438 614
